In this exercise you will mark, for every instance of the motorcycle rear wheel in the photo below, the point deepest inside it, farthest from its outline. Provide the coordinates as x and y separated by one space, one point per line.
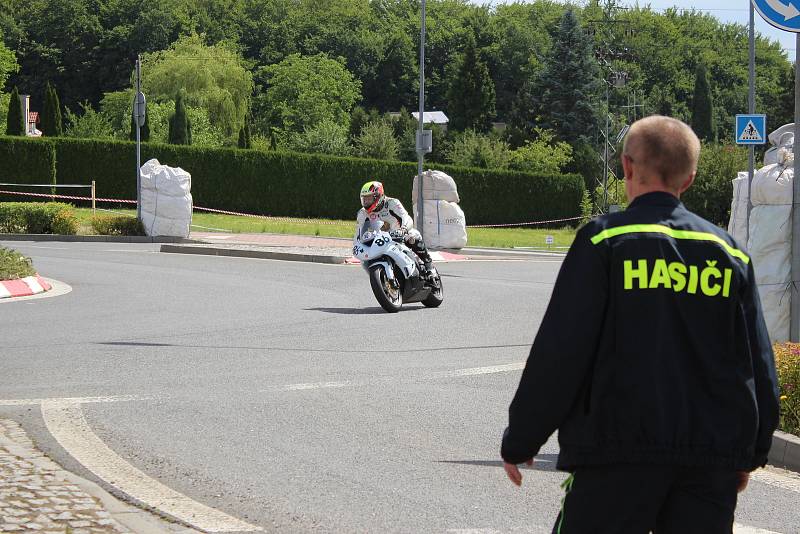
390 298
434 300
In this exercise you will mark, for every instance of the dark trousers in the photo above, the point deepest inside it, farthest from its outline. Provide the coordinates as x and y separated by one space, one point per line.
643 499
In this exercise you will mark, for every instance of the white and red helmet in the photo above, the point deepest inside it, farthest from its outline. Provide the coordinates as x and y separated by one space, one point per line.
372 196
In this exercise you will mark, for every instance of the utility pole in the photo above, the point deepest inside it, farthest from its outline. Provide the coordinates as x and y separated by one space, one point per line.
139 107
423 145
751 110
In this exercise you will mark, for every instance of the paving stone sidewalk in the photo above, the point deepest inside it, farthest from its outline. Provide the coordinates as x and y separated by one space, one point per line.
37 495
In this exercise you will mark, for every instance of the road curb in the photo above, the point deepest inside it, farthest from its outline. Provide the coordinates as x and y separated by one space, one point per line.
259 254
23 287
94 238
785 451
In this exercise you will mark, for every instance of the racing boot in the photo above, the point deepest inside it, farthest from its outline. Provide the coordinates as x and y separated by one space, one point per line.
424 255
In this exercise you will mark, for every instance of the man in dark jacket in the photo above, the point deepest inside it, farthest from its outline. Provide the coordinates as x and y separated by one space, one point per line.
652 360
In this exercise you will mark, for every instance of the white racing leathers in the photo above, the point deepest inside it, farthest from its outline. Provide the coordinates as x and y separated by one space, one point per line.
393 215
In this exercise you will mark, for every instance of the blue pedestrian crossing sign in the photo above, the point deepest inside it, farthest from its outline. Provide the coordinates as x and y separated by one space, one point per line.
783 14
751 129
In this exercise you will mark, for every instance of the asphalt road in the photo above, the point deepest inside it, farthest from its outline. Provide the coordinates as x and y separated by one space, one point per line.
281 394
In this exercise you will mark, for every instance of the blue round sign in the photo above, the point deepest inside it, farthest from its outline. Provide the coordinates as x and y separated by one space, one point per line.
783 14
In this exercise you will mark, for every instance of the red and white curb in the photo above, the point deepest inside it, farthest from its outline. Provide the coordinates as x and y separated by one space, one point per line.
24 287
436 256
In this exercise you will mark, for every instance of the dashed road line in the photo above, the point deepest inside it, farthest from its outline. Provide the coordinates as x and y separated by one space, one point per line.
778 478
738 528
67 424
316 385
74 400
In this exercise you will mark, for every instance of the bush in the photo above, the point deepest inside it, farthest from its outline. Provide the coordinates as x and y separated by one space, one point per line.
472 149
26 161
117 225
377 141
712 192
14 265
90 124
30 218
305 185
787 361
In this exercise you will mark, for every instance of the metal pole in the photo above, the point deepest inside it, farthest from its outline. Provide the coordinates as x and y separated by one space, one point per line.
752 110
795 318
138 144
605 157
421 154
94 196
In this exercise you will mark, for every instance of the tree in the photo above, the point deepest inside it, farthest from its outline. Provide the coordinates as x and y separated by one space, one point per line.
472 149
302 91
377 141
8 62
89 124
180 129
563 96
245 140
52 122
211 77
703 107
15 123
544 155
471 97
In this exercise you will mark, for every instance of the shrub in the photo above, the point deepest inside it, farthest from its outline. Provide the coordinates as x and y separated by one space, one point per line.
31 218
325 137
711 194
90 124
787 361
14 265
543 155
117 225
472 149
305 185
377 141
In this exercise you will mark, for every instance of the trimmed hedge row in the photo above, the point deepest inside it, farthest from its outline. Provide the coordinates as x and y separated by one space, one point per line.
303 185
26 161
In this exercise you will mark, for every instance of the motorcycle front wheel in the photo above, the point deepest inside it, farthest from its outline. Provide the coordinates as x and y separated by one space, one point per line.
390 298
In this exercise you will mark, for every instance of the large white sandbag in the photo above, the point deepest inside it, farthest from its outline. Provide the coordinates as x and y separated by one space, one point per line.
776 303
772 185
166 200
436 186
737 226
444 225
783 137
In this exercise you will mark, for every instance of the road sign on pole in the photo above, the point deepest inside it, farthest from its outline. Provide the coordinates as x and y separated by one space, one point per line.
785 14
751 129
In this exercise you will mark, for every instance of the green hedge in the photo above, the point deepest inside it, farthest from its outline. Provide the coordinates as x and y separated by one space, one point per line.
31 218
304 185
26 161
117 225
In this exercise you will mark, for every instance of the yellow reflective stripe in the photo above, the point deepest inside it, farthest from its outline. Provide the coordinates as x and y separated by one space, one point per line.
666 230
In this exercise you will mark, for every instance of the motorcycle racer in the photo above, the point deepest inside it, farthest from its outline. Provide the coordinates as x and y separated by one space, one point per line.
390 211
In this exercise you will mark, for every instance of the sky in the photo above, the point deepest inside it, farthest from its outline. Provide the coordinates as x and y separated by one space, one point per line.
725 10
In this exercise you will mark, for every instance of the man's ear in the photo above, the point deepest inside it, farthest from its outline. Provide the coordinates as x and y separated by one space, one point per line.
687 184
627 166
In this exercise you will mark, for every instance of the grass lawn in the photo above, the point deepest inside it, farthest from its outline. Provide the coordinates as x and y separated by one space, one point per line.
478 237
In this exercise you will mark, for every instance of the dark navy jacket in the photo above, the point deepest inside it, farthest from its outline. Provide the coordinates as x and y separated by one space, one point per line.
653 349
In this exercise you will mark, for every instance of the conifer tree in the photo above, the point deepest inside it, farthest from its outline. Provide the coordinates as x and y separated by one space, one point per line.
703 106
15 123
563 96
180 130
471 97
52 121
244 135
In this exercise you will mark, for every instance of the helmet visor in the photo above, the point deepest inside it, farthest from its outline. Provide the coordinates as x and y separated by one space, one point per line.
368 199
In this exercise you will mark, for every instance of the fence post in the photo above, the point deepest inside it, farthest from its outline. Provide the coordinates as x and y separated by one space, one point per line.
93 197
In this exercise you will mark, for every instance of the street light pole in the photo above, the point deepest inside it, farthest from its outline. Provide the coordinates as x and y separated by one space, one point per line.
752 110
420 152
138 143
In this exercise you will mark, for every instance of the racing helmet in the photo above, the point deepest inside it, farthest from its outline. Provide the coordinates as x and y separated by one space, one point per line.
372 196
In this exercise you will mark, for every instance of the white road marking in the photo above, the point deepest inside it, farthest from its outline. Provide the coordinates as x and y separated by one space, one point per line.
474 371
66 423
779 478
73 400
316 385
738 528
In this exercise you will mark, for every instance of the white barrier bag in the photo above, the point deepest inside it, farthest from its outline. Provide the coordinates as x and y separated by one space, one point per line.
166 200
444 224
737 226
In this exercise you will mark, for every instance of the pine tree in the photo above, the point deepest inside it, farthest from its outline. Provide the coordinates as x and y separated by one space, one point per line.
244 135
15 123
703 107
563 96
58 120
180 131
471 97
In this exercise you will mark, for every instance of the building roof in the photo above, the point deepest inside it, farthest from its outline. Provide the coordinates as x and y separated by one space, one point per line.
432 117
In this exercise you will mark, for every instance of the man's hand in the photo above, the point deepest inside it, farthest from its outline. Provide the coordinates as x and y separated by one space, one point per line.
743 479
513 472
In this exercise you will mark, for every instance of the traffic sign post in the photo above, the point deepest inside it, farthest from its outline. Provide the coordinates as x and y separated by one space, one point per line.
785 14
751 129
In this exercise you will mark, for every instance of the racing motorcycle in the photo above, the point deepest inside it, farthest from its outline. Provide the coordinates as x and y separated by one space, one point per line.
395 272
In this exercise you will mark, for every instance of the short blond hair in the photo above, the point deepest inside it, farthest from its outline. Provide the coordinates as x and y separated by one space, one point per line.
665 146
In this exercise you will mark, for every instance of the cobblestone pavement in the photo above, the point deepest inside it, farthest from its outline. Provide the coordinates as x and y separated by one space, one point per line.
36 495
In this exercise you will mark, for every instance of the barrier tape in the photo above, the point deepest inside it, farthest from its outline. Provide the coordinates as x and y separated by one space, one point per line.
536 223
48 185
68 197
277 219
